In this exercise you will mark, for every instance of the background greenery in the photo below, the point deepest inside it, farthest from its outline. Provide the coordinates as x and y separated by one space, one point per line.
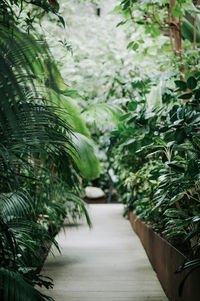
117 80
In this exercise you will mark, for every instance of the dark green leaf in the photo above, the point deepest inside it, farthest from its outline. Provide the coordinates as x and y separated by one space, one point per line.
191 83
181 84
176 167
180 135
197 95
61 20
185 96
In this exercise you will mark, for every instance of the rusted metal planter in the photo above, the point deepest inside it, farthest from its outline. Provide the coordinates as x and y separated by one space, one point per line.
165 259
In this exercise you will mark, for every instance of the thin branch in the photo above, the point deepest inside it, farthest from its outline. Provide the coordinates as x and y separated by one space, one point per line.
154 16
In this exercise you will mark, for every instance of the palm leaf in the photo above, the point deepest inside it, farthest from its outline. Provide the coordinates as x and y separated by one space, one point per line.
71 112
77 203
15 204
85 158
93 114
15 287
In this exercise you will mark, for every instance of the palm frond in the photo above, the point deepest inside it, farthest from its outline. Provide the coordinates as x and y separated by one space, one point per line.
71 112
15 287
75 203
85 158
93 113
15 204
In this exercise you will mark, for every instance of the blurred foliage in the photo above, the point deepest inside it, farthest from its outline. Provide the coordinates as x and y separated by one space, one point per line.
124 73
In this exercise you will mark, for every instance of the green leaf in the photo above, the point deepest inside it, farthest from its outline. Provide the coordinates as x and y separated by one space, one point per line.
187 31
132 106
196 141
197 94
17 287
191 83
115 133
181 84
160 141
180 135
86 159
176 167
176 198
124 117
130 44
121 23
133 45
174 213
61 20
93 113
176 11
70 112
71 93
185 96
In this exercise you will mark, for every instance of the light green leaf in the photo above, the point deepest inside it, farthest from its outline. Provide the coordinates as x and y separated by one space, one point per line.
86 159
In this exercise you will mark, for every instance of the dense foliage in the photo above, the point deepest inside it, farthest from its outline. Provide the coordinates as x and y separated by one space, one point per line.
157 141
139 101
43 141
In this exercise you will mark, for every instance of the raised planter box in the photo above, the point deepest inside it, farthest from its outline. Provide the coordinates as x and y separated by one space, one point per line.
165 259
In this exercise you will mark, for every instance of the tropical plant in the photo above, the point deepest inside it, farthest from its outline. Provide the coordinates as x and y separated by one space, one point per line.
38 186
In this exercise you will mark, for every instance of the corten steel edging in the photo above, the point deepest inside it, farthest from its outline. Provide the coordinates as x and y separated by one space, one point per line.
165 259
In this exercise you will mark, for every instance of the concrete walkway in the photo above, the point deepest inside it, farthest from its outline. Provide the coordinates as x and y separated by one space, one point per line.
105 263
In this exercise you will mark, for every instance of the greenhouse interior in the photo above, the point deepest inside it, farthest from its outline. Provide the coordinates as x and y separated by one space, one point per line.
100 150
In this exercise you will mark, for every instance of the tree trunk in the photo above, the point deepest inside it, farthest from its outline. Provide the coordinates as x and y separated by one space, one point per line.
175 25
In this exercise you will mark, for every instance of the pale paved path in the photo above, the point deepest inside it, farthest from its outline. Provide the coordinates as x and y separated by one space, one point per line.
106 263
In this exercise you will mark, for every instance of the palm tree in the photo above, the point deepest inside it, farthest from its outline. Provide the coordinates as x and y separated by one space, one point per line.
37 152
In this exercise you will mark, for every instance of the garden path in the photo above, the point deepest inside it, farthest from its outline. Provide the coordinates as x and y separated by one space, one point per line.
105 263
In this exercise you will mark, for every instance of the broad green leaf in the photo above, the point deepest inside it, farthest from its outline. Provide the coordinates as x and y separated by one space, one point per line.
154 98
191 83
71 93
187 30
132 106
102 113
86 160
70 112
181 84
180 135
